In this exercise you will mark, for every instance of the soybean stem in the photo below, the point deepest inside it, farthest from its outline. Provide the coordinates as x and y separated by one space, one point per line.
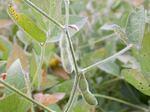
108 59
43 13
76 78
38 76
24 96
121 101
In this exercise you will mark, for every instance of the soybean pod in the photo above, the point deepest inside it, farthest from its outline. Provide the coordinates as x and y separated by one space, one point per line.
87 95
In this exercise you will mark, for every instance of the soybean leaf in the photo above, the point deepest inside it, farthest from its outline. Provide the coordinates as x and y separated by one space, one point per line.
75 25
137 79
17 53
15 76
66 57
80 107
135 27
118 30
14 103
64 87
55 107
110 67
5 47
33 66
143 56
48 99
23 37
27 24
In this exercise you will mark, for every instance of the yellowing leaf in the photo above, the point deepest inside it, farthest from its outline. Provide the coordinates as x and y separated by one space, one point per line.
137 79
27 24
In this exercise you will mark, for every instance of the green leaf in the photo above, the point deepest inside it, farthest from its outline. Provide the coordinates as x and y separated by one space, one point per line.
64 87
135 27
27 24
82 106
15 76
17 53
137 79
110 67
5 47
14 103
143 56
118 30
75 25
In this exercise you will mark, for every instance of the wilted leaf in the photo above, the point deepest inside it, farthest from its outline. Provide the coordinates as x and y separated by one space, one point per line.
47 99
55 64
137 79
18 53
135 27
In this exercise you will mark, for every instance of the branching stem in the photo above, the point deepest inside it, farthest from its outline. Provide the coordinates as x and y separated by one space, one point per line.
108 59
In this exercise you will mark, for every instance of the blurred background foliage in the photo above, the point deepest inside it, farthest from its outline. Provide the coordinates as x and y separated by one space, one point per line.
91 45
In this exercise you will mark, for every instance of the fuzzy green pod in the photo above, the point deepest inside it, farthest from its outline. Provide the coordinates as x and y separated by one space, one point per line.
27 24
83 84
90 98
84 87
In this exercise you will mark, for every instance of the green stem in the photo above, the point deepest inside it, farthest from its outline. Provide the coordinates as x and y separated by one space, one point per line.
43 13
76 78
98 41
38 71
24 96
122 101
108 59
29 91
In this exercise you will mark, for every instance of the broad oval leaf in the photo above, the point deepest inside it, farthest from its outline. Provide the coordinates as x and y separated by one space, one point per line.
14 103
137 79
15 76
27 24
135 27
143 56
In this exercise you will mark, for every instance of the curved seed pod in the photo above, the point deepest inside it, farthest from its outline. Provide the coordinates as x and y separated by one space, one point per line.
66 55
84 87
83 84
90 98
27 24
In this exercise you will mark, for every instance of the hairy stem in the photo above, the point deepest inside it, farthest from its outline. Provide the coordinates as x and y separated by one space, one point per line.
122 101
107 59
38 76
76 78
24 96
29 91
43 13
